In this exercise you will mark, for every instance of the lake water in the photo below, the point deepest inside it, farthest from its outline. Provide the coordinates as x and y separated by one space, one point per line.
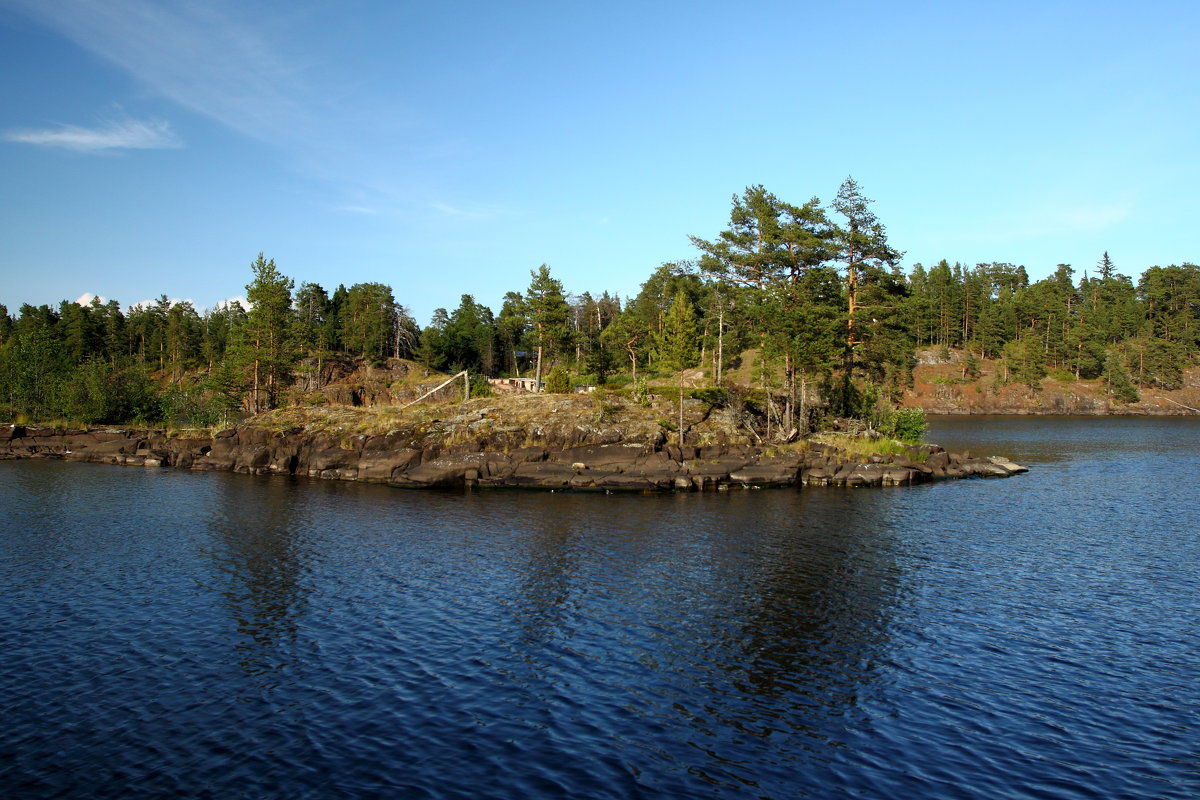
169 633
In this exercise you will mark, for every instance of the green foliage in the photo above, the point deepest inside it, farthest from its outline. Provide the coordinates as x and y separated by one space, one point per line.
558 381
141 396
1025 362
467 338
606 406
640 392
227 387
546 309
676 343
862 447
480 387
269 352
368 319
971 365
1065 325
33 370
1171 297
1060 374
95 393
777 282
190 407
909 424
813 289
591 317
1117 381
430 351
511 327
1157 362
768 242
715 397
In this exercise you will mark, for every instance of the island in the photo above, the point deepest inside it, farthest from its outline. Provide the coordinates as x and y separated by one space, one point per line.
581 442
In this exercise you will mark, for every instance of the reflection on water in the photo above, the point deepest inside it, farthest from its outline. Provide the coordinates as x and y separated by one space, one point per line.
177 633
259 563
824 602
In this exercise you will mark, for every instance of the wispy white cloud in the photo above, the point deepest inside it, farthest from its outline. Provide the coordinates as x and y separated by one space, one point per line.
252 70
191 53
1065 218
122 135
479 212
86 299
1043 219
1093 217
366 211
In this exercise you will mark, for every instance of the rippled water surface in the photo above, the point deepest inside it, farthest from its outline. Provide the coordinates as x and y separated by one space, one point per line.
174 633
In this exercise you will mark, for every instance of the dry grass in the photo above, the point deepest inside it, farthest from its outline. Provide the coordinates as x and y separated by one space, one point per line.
526 418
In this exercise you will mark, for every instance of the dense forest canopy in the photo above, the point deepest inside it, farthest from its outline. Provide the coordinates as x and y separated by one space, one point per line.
815 289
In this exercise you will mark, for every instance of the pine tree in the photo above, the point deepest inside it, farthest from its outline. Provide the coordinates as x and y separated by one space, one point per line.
863 250
773 250
875 339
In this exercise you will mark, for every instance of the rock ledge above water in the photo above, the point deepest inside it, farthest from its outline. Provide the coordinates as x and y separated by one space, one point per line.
602 464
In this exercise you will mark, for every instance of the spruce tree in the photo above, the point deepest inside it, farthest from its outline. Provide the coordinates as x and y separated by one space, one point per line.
676 344
1117 381
269 333
548 313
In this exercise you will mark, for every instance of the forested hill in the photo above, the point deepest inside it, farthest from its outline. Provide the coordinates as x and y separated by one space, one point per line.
814 289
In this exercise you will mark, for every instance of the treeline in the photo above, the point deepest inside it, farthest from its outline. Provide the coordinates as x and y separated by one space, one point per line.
164 361
814 289
1101 326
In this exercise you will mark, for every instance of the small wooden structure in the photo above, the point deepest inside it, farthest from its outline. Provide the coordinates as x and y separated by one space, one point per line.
466 388
514 385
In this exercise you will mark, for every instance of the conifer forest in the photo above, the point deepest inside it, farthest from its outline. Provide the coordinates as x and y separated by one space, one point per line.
815 289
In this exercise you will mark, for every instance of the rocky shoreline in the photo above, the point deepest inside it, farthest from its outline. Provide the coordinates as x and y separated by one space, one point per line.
645 466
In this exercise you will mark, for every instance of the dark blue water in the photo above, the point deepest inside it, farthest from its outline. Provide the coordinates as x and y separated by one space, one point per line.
172 633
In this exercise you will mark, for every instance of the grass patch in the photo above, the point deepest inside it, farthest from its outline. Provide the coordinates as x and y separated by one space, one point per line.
861 447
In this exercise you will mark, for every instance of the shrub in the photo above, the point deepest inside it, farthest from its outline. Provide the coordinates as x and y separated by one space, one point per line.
189 407
1117 381
606 408
1062 375
910 424
480 387
640 392
717 397
972 365
558 381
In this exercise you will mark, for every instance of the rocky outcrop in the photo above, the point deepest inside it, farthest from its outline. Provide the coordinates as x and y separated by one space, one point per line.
941 386
649 465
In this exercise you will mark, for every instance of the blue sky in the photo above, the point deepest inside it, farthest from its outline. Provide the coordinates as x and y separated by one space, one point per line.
155 148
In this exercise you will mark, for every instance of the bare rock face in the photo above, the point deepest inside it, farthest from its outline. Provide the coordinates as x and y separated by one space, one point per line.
578 462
